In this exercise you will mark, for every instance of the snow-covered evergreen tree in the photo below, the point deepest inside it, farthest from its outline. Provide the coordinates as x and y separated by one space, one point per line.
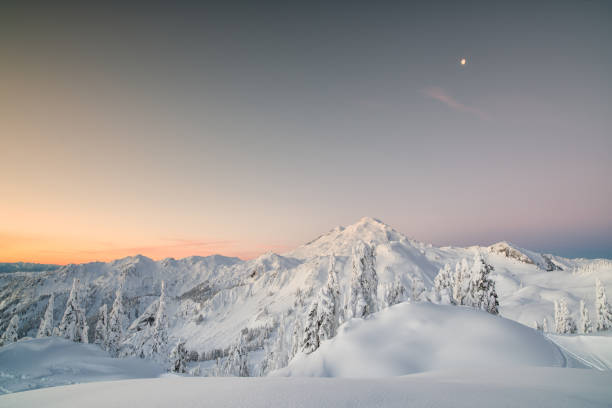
10 333
417 288
74 324
564 324
160 329
178 358
586 326
116 323
296 338
311 340
602 307
236 362
329 307
481 287
322 318
460 282
545 325
101 331
394 293
277 354
443 285
46 323
364 282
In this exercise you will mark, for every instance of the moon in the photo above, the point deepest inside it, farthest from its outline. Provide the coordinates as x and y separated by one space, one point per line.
463 61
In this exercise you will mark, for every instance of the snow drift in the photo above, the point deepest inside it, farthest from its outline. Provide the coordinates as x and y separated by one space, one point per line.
410 338
51 361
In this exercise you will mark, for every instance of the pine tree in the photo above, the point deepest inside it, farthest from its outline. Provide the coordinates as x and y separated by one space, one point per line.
329 307
364 282
101 332
179 357
443 285
297 337
564 324
545 325
481 287
74 324
394 293
417 288
602 307
10 333
236 362
460 282
311 340
116 323
160 329
46 323
586 326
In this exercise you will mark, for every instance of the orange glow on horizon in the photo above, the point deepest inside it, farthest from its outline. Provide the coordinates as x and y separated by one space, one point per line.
45 250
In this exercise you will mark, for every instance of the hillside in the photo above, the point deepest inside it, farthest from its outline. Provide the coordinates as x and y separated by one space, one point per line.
214 302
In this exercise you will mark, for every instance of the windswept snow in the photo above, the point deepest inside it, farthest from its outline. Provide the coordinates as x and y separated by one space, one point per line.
512 387
53 361
412 338
594 351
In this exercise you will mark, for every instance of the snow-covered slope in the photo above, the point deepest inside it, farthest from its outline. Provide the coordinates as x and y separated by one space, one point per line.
513 387
410 338
52 361
213 301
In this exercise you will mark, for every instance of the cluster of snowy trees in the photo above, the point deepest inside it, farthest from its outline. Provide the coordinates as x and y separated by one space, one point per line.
469 285
565 324
109 327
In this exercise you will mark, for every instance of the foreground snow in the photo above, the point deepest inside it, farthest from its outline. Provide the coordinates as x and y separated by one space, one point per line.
519 386
52 361
410 338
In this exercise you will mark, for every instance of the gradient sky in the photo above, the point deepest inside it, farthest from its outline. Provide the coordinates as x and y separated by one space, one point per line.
239 128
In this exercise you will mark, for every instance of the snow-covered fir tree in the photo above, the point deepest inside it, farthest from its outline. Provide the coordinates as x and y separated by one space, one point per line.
296 338
277 354
178 358
482 294
564 324
460 282
160 329
236 362
443 285
586 326
602 307
364 282
10 333
74 324
417 289
101 331
311 340
322 318
394 293
545 325
46 323
329 307
116 323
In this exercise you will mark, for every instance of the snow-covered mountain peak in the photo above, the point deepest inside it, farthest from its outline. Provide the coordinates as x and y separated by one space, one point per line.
341 240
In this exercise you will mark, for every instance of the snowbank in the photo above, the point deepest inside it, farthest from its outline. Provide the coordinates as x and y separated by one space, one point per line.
518 387
411 338
594 350
52 361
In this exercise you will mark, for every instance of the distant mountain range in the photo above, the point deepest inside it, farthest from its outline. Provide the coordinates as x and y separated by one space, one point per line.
26 267
214 302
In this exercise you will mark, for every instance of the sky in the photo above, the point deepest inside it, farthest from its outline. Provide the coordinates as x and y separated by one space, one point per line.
245 127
